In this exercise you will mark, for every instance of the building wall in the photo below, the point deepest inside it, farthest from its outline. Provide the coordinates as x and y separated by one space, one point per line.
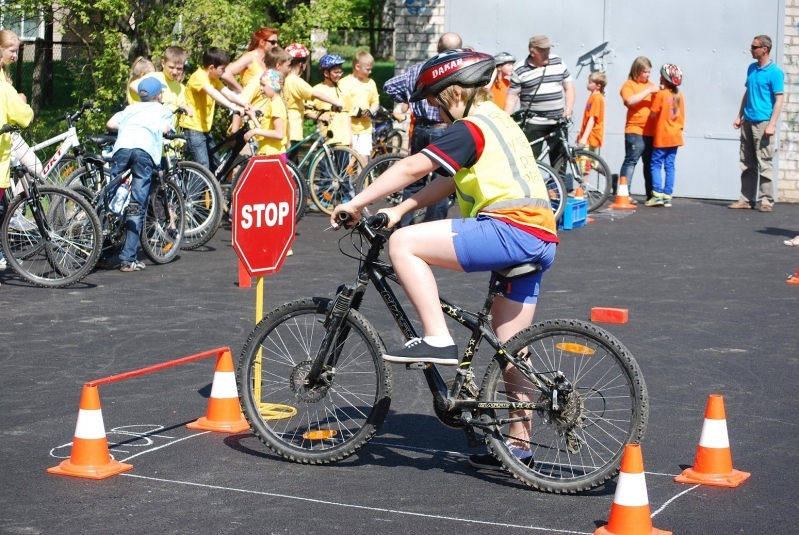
709 40
788 175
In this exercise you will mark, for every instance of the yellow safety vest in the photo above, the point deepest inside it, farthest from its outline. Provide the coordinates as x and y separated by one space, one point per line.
505 181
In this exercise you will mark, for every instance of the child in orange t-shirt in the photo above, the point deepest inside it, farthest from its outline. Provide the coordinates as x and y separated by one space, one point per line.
668 112
593 129
499 87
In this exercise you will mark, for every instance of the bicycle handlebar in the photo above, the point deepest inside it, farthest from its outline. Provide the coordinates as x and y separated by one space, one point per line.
9 128
369 224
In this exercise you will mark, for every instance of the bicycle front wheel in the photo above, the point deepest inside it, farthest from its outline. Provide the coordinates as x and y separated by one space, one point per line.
592 174
202 197
163 226
323 424
577 440
555 189
91 176
332 176
68 248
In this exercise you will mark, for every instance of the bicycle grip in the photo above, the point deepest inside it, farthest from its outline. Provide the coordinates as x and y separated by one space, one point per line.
8 128
378 221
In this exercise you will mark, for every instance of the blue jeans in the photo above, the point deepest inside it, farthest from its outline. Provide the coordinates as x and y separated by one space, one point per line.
142 169
637 146
200 145
422 136
663 158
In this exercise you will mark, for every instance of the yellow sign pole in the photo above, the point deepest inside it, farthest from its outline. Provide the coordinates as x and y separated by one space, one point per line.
259 315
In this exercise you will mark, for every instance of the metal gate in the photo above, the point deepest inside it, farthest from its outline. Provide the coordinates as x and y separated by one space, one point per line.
708 39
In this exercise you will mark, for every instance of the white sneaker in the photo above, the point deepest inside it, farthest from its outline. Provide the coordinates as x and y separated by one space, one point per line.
3 262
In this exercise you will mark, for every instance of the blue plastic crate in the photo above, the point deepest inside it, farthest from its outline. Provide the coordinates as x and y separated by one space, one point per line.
575 214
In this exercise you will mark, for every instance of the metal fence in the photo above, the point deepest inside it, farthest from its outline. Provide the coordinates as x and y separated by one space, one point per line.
53 75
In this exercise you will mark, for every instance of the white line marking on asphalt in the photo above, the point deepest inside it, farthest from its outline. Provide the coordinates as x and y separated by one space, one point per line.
163 446
671 500
353 506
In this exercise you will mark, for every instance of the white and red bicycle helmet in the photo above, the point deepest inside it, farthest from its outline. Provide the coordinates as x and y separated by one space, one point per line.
671 73
298 51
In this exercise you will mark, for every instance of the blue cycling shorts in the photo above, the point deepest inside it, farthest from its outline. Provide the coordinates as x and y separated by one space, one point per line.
486 244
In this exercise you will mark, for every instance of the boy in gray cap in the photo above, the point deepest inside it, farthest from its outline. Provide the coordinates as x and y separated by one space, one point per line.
138 147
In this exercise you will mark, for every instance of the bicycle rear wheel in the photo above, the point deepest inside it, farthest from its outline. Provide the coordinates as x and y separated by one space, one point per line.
91 177
163 225
555 189
69 248
320 425
593 175
578 445
202 197
332 176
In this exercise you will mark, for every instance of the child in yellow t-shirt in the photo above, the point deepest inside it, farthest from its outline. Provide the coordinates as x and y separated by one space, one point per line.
270 128
141 66
203 91
592 131
171 75
337 123
296 91
362 100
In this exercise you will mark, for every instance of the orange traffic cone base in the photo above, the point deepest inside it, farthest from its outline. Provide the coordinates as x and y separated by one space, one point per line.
622 206
204 424
730 480
112 468
655 531
793 280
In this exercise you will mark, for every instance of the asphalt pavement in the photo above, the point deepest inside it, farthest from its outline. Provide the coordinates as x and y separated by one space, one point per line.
710 312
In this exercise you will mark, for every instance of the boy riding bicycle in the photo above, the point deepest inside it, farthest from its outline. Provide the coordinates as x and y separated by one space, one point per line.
507 219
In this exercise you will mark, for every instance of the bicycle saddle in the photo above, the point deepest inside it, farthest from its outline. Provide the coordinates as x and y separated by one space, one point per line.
519 270
103 139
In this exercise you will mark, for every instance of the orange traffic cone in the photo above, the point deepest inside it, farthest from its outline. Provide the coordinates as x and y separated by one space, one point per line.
224 411
713 462
622 196
794 279
629 514
90 458
578 193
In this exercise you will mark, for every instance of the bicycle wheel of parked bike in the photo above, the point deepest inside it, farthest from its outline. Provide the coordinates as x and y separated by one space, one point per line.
555 189
594 177
72 245
390 143
372 172
164 222
313 425
202 197
332 176
299 186
577 440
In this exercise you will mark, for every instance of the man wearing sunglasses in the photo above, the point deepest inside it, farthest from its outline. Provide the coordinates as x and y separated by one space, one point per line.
757 119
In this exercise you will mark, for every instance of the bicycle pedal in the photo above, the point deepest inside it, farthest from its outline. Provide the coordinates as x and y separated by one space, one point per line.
416 366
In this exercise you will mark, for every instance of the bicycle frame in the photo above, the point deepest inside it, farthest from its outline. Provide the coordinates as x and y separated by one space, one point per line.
373 270
70 141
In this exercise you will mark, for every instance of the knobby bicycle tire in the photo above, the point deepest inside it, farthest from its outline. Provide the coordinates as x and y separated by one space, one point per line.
594 178
164 221
75 237
313 426
578 446
202 197
332 177
555 189
301 193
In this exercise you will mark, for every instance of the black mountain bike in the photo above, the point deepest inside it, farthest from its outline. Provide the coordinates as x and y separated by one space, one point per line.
315 389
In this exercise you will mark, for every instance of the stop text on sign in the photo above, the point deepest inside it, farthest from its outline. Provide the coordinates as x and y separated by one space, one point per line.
264 214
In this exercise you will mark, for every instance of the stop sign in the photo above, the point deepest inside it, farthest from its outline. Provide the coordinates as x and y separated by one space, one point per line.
264 213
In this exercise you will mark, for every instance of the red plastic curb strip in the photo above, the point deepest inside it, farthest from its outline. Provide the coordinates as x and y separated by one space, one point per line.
610 315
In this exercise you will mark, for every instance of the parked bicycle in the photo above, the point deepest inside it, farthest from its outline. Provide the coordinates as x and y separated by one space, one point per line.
583 167
50 235
385 138
332 169
315 389
164 218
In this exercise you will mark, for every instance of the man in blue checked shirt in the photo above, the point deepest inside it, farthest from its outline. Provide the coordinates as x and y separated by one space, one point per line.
427 123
